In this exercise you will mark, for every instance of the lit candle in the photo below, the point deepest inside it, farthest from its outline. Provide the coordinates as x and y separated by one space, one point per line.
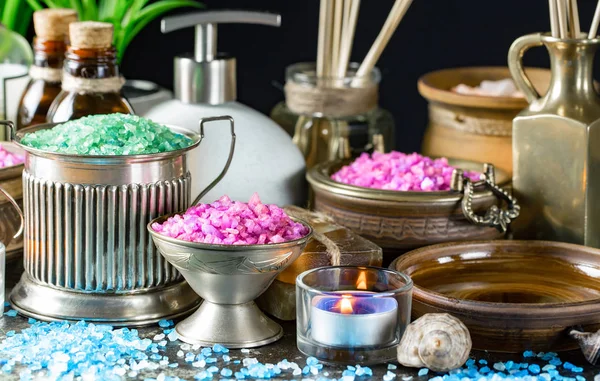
354 318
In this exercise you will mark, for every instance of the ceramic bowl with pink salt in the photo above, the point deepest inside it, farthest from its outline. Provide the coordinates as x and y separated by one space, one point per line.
403 201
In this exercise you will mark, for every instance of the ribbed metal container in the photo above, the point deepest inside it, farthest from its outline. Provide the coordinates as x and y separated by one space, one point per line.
87 252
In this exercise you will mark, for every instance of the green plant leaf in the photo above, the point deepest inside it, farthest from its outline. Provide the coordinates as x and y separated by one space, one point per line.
25 19
10 13
35 5
145 16
76 5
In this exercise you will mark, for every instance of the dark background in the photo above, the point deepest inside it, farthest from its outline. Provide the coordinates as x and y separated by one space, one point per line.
434 34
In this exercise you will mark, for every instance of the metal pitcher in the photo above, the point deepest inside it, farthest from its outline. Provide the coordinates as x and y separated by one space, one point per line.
556 144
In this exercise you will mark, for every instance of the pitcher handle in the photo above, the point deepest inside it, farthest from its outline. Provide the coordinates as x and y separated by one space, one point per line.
494 216
16 206
11 127
515 64
231 150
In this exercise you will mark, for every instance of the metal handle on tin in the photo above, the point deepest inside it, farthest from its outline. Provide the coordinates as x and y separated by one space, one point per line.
494 216
14 203
231 150
11 127
515 64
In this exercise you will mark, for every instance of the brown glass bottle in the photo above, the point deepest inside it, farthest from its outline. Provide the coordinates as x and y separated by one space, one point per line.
44 85
94 64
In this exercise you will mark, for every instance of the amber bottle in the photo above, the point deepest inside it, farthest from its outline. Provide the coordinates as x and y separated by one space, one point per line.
49 45
91 81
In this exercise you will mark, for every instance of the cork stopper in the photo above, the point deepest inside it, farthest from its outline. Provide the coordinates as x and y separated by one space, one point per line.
53 24
91 34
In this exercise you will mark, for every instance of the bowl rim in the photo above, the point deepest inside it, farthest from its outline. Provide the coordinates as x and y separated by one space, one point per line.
445 96
224 247
408 286
319 178
496 310
12 171
104 159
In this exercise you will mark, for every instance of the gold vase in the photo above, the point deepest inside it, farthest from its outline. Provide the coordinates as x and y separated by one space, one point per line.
556 145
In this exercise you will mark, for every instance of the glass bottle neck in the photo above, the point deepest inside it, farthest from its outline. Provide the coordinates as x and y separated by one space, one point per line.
48 53
91 63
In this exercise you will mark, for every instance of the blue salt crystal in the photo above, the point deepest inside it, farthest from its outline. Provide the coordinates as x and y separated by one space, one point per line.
162 344
173 365
212 369
206 351
10 333
521 373
306 370
312 361
483 362
204 375
159 337
359 371
155 356
244 350
11 313
31 320
172 336
179 353
529 354
556 361
389 376
423 372
199 364
166 331
165 323
236 361
314 370
567 365
580 378
298 372
392 367
218 348
226 358
484 370
576 369
239 375
509 365
6 304
470 362
350 367
534 368
545 377
500 366
548 367
211 360
345 373
226 372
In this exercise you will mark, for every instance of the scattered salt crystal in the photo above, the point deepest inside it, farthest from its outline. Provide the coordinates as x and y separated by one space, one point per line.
179 353
158 337
165 323
297 372
244 350
226 358
11 313
225 372
392 367
423 372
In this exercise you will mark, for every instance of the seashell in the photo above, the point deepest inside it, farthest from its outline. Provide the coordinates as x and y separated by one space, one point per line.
589 342
439 342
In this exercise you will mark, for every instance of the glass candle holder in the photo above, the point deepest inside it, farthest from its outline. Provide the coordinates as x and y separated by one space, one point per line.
350 314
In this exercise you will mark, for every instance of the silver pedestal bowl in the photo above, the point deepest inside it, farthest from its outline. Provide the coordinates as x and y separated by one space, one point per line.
228 278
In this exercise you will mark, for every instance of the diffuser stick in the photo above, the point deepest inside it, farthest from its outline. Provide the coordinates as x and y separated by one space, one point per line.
398 11
322 38
574 19
595 23
337 35
562 18
553 18
348 36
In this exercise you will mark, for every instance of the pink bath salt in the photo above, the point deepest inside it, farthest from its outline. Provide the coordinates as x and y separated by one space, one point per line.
230 222
400 172
8 159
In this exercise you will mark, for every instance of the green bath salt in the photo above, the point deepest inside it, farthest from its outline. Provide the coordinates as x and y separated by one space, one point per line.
111 134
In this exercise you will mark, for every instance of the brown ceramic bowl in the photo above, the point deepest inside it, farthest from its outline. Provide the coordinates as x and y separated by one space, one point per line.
512 295
400 221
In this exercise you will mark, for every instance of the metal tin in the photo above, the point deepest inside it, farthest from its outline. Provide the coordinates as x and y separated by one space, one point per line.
87 252
399 221
11 182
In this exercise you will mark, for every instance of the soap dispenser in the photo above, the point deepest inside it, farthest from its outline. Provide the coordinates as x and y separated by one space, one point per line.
266 160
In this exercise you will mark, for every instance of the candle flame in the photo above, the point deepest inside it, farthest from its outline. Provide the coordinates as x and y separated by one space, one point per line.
346 305
361 283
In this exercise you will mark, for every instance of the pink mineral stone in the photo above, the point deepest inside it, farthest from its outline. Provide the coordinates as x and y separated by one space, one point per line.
8 159
230 222
400 172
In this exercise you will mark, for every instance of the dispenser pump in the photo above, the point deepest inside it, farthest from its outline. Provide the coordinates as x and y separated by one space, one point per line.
209 77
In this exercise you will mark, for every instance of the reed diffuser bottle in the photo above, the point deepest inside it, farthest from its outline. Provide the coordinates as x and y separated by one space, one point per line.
51 29
331 108
555 140
91 82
